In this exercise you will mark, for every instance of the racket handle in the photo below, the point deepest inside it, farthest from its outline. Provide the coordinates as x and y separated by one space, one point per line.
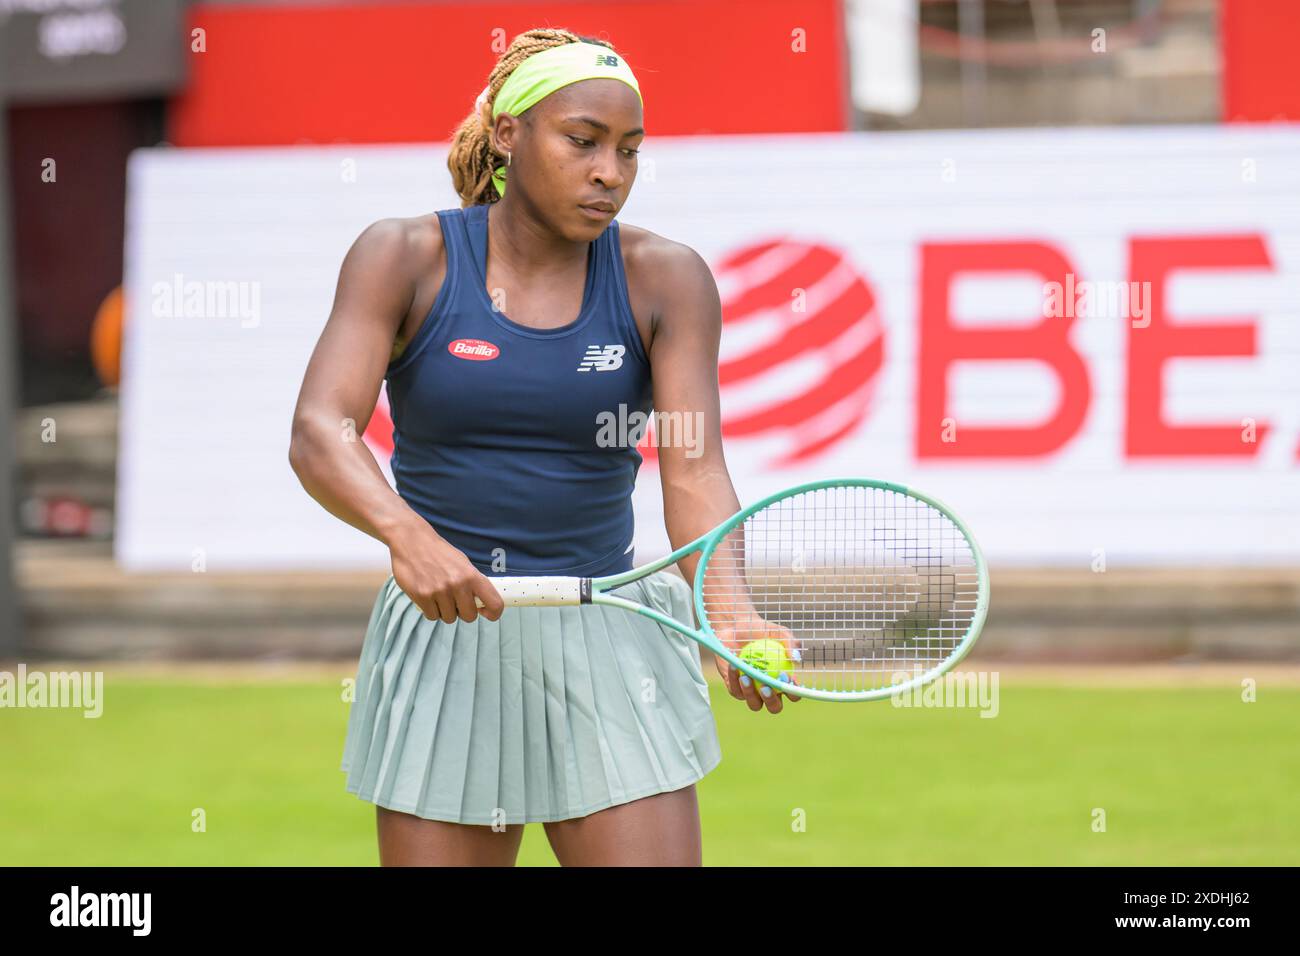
538 591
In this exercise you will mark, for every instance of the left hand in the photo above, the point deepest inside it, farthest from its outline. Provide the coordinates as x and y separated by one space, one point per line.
739 684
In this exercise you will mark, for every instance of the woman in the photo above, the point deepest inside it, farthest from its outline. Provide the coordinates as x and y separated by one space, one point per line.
504 329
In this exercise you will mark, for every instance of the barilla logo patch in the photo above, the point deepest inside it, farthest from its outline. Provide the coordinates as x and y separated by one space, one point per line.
476 350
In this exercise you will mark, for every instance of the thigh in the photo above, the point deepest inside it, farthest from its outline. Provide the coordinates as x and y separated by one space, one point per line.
408 840
660 830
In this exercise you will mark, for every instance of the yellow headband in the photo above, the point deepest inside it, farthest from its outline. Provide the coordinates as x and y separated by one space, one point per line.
543 73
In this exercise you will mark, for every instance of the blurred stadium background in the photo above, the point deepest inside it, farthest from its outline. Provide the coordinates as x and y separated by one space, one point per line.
183 179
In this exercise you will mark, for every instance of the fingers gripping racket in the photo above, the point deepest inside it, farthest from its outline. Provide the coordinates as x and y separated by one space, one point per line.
873 587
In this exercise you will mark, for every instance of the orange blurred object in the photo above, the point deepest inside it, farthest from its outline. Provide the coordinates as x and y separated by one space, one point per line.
106 339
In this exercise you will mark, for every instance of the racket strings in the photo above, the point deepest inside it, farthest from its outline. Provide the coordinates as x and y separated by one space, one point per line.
869 586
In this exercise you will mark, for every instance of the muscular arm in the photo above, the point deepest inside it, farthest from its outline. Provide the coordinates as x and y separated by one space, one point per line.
342 382
698 494
375 291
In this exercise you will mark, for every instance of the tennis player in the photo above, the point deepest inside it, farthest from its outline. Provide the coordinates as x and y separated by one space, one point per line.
504 330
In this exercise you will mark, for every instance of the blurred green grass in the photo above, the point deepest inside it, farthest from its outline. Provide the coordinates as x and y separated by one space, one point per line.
1186 776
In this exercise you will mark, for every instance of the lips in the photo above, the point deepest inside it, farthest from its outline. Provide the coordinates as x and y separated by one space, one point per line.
601 206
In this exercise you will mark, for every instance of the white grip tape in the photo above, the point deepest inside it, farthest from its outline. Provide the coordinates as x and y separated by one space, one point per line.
537 591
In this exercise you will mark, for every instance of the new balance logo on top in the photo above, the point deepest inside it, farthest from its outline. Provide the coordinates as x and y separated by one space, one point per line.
602 358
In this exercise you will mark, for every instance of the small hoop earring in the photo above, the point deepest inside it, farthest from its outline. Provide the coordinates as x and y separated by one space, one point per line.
508 155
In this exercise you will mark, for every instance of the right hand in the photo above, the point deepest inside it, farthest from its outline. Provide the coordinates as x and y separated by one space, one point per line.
440 580
740 685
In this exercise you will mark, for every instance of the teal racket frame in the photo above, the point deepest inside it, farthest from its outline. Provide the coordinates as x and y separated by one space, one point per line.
706 544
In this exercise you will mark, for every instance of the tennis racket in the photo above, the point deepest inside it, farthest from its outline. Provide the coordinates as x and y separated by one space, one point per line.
875 588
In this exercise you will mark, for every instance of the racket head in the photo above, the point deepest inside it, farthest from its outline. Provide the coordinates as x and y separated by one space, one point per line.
879 587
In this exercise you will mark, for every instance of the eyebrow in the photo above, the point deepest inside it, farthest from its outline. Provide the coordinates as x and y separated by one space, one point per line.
601 126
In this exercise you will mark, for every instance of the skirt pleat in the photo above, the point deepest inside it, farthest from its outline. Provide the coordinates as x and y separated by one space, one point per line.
548 714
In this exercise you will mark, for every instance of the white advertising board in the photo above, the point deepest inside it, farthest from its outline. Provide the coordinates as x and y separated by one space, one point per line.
1085 341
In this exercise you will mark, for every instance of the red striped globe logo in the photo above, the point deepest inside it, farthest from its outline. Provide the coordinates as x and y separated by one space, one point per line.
802 350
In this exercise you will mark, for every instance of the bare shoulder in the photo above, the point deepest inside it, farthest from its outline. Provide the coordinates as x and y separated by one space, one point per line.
655 257
663 272
424 234
400 243
397 265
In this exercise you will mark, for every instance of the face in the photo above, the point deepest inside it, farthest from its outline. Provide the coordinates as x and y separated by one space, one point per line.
574 154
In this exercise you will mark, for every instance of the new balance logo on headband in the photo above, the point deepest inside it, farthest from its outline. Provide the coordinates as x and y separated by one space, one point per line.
604 59
602 358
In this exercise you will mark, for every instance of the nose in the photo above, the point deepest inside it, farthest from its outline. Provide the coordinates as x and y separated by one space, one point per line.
605 169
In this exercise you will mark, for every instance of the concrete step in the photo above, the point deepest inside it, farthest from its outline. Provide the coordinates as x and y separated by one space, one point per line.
78 604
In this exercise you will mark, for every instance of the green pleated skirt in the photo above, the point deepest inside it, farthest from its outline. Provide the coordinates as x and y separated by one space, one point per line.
548 714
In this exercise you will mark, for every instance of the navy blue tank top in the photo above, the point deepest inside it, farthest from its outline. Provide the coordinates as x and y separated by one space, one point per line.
497 427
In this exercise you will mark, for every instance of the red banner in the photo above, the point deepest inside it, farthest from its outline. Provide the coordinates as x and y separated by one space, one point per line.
1259 40
281 75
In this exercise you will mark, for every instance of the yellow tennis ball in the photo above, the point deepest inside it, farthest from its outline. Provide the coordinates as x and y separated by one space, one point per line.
768 655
